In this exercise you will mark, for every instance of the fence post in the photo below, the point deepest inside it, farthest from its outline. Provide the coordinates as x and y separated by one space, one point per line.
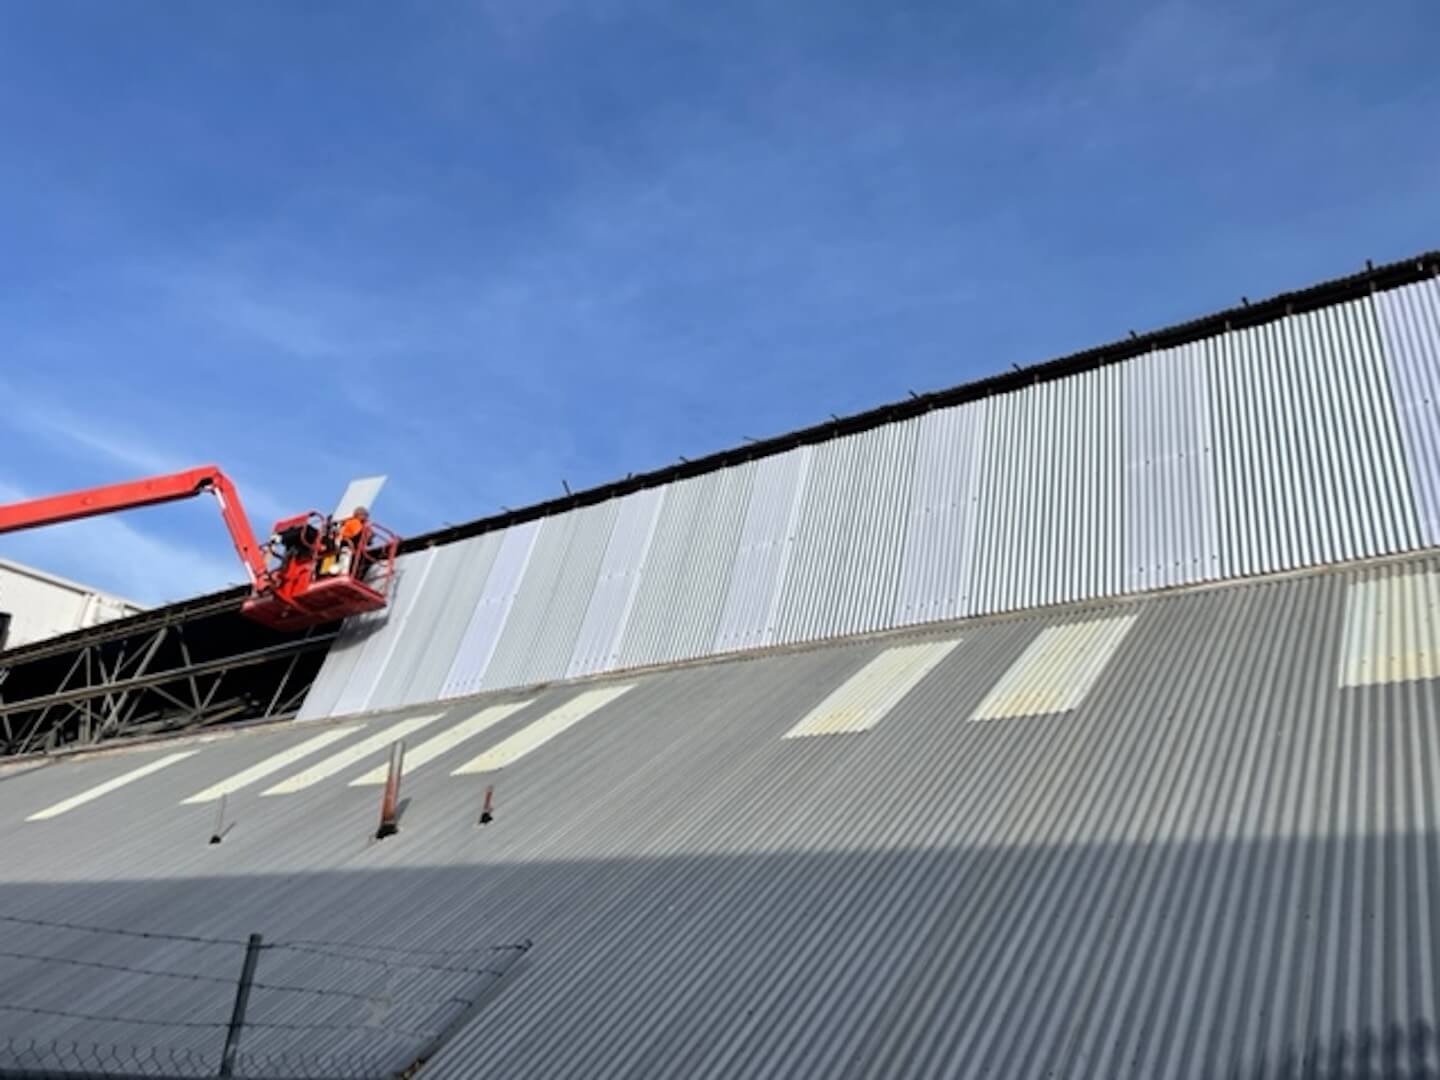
242 999
390 799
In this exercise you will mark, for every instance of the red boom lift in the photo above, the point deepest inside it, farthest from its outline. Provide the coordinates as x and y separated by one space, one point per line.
288 591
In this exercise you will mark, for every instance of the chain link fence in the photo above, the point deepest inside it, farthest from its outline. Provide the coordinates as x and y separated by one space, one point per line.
89 1001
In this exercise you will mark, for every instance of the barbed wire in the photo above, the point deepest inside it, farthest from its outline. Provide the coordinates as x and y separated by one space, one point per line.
281 988
126 968
376 961
150 935
392 965
519 946
101 1018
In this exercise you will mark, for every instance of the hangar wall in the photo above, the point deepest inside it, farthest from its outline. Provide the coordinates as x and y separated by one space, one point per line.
1308 440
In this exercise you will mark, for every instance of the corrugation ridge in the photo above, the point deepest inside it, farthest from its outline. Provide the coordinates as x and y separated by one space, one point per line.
695 543
492 610
845 566
758 572
621 572
539 635
1409 329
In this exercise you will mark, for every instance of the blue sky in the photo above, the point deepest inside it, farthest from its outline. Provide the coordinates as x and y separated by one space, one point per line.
485 246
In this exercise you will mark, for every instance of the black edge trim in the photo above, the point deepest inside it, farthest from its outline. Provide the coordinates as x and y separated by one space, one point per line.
1380 279
1326 294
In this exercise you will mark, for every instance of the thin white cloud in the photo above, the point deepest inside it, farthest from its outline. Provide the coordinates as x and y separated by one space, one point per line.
114 556
121 453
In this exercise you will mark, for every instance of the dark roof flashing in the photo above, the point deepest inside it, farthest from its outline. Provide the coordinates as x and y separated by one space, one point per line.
1250 313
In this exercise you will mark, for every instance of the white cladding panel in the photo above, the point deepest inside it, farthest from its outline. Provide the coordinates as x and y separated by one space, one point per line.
1410 333
598 646
1314 438
502 584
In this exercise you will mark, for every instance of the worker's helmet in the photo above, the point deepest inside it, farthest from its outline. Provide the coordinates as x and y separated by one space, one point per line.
361 513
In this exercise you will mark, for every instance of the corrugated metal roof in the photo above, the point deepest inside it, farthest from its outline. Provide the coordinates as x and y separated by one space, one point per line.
1223 860
1302 441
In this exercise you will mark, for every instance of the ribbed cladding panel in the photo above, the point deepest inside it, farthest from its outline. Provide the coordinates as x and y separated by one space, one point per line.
378 646
845 567
1171 535
539 636
502 584
466 572
939 558
767 538
621 571
1050 509
1410 329
1001 530
1309 459
691 558
442 609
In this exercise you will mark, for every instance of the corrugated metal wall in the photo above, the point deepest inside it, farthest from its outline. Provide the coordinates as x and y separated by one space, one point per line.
1309 440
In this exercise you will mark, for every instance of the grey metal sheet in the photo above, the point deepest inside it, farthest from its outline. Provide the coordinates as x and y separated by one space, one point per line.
597 648
762 559
691 559
502 585
1221 862
1309 460
1410 329
849 536
940 530
539 635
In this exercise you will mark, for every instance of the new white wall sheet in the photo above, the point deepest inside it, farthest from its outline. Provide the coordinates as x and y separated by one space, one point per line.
1050 514
436 622
1306 440
868 696
539 636
1392 629
1172 535
849 536
1057 670
682 589
349 670
621 570
941 516
1410 328
1002 537
767 537
1308 456
381 633
477 646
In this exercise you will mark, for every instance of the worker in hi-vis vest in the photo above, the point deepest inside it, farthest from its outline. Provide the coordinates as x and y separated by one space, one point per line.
349 541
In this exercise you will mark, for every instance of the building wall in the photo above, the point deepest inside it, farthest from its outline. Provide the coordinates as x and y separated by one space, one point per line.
41 605
1310 440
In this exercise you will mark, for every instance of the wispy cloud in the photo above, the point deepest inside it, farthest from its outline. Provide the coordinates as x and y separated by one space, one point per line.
120 450
115 556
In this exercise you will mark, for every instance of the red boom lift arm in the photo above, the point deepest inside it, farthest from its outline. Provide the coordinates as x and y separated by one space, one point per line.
54 509
296 592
